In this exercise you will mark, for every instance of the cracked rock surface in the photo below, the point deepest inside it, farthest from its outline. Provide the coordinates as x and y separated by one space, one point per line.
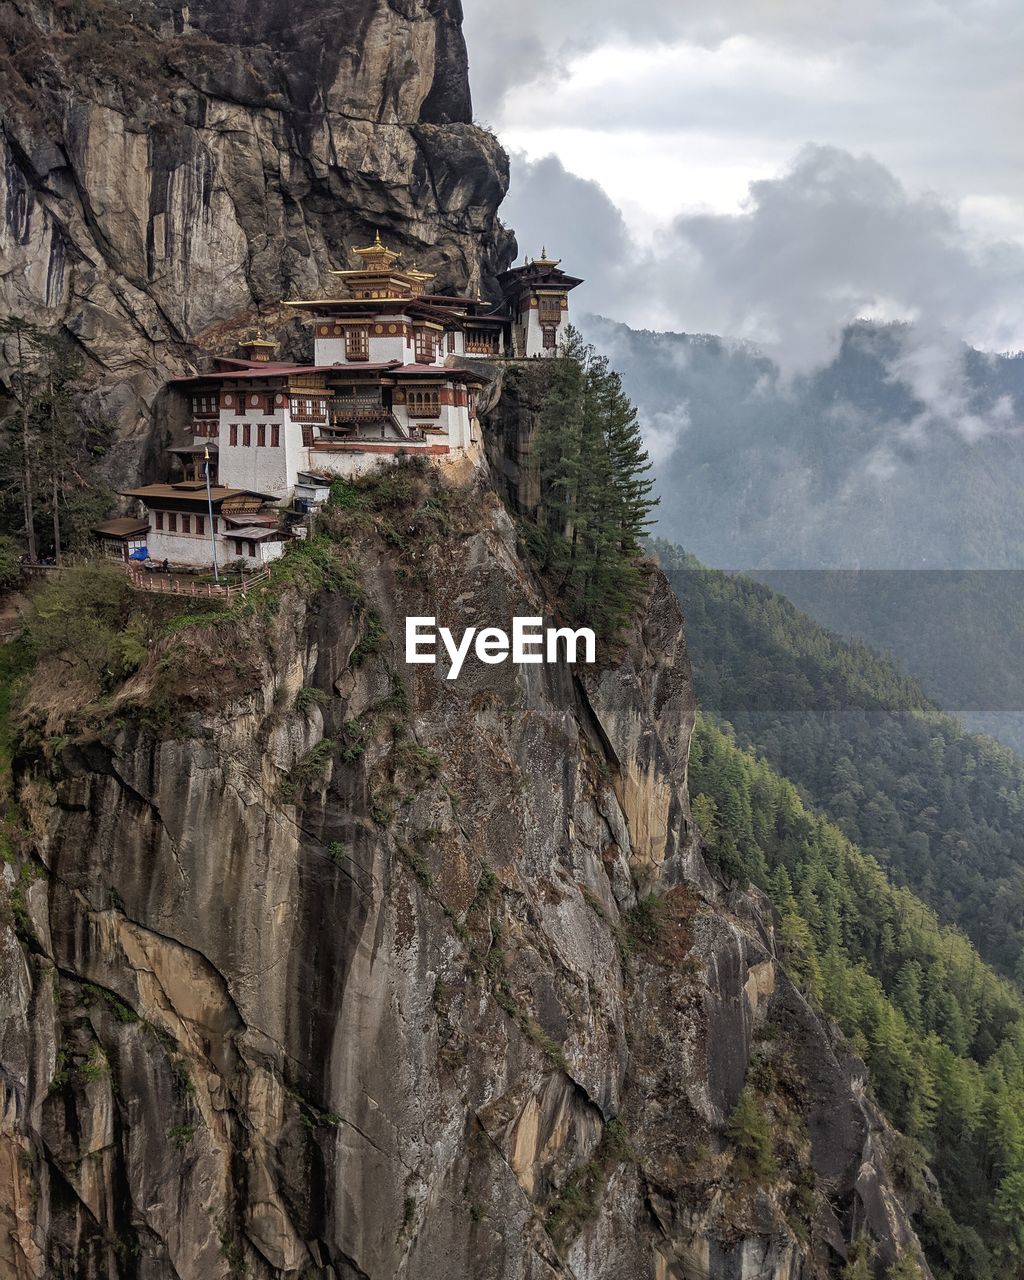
399 1015
169 173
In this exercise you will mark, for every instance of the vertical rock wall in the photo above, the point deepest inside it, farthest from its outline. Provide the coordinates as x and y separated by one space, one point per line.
171 170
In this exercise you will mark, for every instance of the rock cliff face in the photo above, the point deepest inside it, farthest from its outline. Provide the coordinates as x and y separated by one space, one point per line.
313 964
171 170
348 970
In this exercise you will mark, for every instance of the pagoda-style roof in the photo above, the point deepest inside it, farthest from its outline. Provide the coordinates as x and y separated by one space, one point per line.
188 491
542 271
377 256
122 528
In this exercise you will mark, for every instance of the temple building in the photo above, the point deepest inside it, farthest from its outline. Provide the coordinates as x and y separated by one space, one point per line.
392 374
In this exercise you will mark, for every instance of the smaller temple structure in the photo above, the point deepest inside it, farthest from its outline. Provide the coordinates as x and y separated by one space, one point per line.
391 376
187 521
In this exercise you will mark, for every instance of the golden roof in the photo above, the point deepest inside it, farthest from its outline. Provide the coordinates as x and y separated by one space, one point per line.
544 260
377 256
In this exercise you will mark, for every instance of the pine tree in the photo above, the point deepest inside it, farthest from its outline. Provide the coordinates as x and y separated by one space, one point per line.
590 465
749 1130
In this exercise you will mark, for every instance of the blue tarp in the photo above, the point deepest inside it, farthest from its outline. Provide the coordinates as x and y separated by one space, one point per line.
141 554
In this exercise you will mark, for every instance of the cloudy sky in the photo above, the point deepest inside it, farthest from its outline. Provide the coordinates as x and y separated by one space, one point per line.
767 169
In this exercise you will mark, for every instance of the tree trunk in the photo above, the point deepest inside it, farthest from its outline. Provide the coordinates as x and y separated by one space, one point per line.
56 522
26 439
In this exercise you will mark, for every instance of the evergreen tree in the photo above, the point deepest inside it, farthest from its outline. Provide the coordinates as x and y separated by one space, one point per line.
591 468
749 1130
48 492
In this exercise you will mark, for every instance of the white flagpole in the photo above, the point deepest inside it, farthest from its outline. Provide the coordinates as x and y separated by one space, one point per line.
209 504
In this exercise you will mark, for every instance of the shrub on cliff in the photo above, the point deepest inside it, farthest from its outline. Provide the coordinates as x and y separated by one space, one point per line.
750 1132
82 617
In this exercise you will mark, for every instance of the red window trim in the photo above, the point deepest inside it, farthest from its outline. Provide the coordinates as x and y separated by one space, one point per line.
261 434
234 433
275 435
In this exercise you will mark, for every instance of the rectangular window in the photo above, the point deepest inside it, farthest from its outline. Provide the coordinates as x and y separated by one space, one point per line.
172 522
186 524
275 436
234 433
425 349
159 519
550 311
357 344
549 337
307 436
252 550
238 546
261 435
451 342
200 524
246 435
424 404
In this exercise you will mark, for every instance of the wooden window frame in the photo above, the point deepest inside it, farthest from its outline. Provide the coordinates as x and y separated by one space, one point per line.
186 524
246 435
159 519
261 435
357 343
425 341
172 522
234 433
425 403
275 435
200 525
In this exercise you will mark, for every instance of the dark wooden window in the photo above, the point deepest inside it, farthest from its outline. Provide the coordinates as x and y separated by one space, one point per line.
275 435
307 436
550 311
549 335
159 519
357 344
451 342
200 524
424 404
261 434
172 522
246 435
426 350
482 342
238 546
234 433
252 550
186 524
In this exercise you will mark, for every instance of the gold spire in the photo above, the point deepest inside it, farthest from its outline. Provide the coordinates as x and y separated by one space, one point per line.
544 260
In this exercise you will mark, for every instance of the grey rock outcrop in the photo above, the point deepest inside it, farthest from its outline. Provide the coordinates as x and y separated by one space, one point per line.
168 177
361 982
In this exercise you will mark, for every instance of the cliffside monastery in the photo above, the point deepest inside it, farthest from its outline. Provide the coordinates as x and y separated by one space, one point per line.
389 377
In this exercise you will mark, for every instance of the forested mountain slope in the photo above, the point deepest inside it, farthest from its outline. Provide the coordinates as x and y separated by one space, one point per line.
943 1036
939 808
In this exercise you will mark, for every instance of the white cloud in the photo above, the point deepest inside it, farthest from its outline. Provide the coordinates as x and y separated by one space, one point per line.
833 238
